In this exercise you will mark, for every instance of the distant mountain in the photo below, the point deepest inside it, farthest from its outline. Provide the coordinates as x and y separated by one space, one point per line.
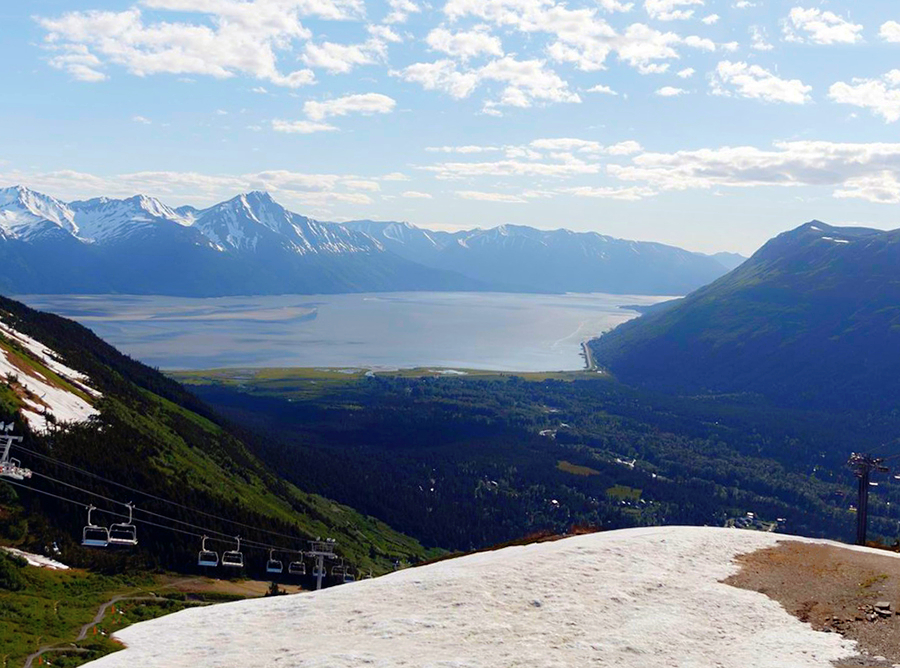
523 258
250 244
812 318
729 260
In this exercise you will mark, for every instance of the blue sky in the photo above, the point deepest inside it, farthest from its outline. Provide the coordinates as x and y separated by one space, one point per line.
709 124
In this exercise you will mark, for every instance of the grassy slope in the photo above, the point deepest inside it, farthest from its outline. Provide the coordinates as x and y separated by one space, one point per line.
154 436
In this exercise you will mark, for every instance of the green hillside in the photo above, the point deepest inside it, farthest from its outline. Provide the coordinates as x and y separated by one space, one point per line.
156 445
813 319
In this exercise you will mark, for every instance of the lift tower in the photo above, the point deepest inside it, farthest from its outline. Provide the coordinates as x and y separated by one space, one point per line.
863 466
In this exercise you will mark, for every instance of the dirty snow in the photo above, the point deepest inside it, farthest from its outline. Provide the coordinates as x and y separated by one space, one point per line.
45 397
37 559
637 598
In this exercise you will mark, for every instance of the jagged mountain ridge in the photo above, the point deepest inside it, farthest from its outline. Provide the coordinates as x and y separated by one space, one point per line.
813 319
250 244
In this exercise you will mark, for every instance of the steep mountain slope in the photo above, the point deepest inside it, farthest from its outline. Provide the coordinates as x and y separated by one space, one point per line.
80 403
524 258
250 244
812 318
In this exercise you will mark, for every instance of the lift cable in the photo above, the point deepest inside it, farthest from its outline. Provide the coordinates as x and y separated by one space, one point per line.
157 498
226 538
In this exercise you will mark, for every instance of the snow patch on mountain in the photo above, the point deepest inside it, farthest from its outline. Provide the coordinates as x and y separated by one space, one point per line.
637 598
44 398
37 560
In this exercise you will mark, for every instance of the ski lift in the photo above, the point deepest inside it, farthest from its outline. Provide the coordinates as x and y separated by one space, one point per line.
297 567
319 572
234 557
369 576
339 570
11 468
124 533
274 565
207 557
94 535
348 576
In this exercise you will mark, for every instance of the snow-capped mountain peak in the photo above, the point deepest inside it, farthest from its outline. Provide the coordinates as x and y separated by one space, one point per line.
104 219
26 214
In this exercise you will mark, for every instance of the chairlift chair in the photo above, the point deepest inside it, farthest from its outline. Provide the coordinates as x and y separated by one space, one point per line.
207 557
124 533
297 568
339 570
348 576
94 535
319 573
274 565
235 557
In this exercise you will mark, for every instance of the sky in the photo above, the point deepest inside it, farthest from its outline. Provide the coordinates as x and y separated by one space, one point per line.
707 124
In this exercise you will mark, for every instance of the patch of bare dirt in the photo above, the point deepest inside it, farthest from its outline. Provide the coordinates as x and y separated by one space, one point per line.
835 590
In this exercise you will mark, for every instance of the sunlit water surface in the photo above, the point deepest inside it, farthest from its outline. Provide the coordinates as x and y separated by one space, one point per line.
508 332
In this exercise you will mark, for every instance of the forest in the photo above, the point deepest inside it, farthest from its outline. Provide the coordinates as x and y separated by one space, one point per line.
465 462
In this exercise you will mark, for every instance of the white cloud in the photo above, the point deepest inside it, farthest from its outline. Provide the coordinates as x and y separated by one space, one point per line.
882 187
670 10
615 5
624 148
343 58
365 103
297 189
395 176
236 38
819 27
881 96
753 81
512 167
631 194
567 144
686 73
441 75
581 36
600 88
862 171
259 89
465 44
758 39
711 19
301 127
670 91
400 10
890 31
491 197
141 119
414 194
462 149
744 4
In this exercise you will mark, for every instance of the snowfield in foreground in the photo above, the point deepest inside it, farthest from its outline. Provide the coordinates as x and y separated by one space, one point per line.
637 598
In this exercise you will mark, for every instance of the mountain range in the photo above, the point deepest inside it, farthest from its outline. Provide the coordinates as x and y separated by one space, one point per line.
250 244
813 318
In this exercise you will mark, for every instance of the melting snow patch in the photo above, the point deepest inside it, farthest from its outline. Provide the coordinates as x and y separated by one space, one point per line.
836 241
638 598
44 395
37 559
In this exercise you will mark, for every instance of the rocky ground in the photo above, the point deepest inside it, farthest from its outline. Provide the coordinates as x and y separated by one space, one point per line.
835 589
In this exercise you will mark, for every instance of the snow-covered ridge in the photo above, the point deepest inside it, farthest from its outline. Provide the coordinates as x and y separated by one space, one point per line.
43 398
638 598
240 223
